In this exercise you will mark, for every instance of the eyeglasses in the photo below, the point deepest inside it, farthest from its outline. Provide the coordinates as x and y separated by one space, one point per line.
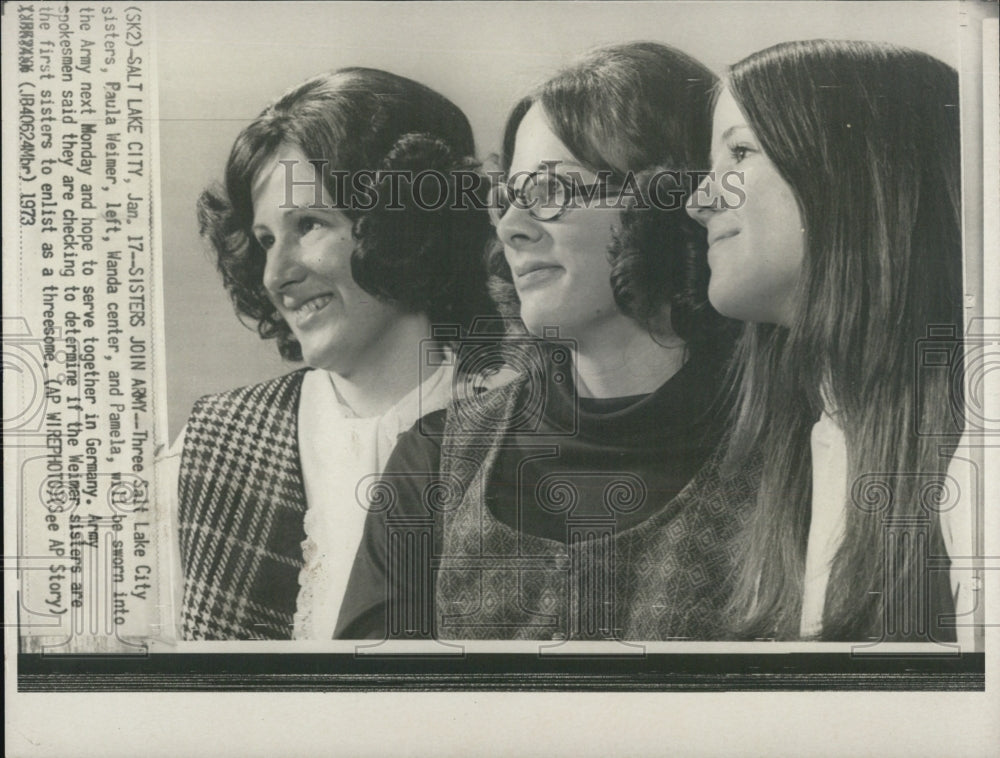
545 194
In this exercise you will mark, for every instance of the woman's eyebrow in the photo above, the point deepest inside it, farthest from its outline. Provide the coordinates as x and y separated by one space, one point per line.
734 128
563 164
304 210
283 213
307 209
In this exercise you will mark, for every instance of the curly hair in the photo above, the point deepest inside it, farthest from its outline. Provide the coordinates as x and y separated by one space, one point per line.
428 259
632 110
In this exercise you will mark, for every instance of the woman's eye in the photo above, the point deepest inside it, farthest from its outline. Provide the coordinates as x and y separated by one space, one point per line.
548 190
307 224
739 152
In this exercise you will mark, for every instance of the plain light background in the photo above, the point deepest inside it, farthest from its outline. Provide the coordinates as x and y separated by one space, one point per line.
219 64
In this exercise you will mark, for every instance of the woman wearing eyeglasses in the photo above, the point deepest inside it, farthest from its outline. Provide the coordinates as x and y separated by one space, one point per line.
575 502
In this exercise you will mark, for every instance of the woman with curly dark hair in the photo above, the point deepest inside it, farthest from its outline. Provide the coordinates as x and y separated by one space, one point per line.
579 499
324 241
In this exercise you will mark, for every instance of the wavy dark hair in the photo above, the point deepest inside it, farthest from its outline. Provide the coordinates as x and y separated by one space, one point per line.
867 137
637 109
429 260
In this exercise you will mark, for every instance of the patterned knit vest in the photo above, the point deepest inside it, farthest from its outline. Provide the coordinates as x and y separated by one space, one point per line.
241 508
667 578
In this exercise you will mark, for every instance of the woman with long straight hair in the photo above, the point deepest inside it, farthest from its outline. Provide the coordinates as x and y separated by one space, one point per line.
833 219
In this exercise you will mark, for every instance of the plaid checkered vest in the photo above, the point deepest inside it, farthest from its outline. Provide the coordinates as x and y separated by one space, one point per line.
241 508
667 578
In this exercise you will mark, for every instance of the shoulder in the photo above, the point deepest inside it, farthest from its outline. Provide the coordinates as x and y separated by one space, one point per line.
479 408
285 382
484 405
257 415
275 392
420 444
242 441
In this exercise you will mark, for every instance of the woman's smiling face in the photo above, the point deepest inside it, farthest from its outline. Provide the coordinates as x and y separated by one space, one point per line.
307 273
560 268
756 237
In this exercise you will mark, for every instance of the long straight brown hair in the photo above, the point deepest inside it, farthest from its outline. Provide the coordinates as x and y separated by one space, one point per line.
867 136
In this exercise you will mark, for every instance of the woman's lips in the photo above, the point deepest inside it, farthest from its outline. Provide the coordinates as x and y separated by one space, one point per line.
715 239
537 276
310 307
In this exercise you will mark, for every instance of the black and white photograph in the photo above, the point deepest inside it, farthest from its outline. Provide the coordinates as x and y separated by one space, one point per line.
502 358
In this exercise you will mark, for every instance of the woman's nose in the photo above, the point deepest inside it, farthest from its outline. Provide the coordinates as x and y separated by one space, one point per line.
704 201
518 227
283 265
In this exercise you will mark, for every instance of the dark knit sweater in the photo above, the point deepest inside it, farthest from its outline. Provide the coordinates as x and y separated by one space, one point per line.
590 525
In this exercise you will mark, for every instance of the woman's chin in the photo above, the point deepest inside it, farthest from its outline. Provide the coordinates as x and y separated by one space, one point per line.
539 323
723 301
322 359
